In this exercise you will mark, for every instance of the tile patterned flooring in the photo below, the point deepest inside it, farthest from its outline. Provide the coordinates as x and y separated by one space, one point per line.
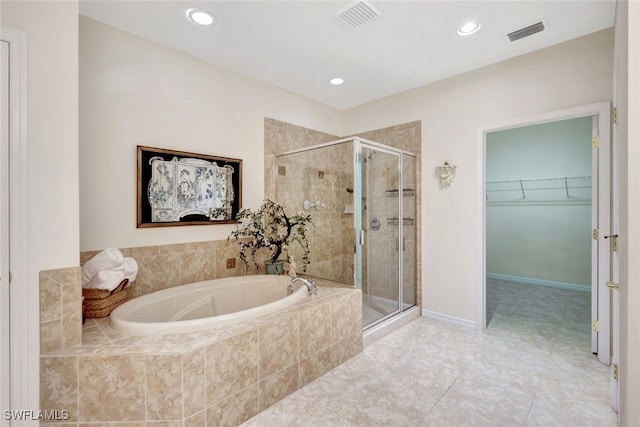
531 367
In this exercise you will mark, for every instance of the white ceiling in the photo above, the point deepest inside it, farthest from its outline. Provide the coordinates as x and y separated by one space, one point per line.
301 45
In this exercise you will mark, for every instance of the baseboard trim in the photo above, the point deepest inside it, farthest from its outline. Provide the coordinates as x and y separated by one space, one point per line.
540 282
449 319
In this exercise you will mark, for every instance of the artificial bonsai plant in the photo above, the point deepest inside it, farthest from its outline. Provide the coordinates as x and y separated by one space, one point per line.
270 227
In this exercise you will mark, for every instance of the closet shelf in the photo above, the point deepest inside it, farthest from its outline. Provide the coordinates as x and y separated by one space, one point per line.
573 187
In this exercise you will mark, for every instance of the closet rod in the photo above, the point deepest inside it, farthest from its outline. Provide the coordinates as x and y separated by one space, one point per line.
519 181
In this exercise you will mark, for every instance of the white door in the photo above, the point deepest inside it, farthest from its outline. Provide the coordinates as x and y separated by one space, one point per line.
601 258
4 231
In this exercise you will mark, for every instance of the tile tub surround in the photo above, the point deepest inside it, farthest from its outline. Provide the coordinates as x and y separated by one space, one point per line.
60 309
217 377
165 266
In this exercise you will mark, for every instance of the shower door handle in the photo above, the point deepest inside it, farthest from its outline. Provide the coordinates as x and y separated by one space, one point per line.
361 240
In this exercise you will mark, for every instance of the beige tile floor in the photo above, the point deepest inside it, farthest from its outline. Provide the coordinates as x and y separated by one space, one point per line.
531 367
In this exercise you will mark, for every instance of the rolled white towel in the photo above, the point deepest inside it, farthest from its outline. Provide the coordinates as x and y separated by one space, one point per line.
106 280
129 267
105 260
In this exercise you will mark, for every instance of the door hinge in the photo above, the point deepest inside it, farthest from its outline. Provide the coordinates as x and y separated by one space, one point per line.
596 142
615 371
613 285
614 115
595 325
596 234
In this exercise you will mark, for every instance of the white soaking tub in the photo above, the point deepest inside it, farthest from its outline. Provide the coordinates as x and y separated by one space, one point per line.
207 304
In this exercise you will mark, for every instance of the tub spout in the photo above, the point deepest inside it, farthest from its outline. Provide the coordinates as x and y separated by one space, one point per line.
312 288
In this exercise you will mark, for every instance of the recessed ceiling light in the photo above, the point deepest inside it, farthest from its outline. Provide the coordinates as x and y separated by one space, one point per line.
337 81
469 28
200 17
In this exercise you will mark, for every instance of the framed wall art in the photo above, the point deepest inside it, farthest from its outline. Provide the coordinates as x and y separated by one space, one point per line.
182 188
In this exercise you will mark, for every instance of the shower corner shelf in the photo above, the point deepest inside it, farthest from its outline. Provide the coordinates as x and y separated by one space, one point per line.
406 192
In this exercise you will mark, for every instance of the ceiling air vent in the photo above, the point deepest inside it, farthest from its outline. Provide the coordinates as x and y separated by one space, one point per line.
527 31
358 13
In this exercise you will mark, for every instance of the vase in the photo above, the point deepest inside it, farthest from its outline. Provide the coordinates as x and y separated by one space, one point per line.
274 267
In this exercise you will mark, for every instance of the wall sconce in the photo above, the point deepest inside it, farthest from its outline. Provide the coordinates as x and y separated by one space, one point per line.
445 175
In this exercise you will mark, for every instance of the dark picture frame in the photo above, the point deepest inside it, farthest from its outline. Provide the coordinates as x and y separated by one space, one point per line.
184 188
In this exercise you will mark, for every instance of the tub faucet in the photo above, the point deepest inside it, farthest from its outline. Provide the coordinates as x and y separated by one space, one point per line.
312 288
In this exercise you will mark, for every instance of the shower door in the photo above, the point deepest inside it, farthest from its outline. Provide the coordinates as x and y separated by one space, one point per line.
379 218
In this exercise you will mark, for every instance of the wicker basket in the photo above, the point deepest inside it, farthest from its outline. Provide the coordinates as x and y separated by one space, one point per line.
99 303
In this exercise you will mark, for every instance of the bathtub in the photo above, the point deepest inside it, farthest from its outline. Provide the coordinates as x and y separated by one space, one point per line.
204 305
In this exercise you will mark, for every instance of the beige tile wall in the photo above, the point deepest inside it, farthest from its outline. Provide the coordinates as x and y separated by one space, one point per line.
60 309
280 137
209 378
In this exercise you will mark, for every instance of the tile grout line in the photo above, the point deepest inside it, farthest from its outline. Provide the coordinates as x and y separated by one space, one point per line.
533 401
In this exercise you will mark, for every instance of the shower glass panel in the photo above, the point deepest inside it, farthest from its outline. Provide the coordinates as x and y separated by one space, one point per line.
380 241
323 177
361 197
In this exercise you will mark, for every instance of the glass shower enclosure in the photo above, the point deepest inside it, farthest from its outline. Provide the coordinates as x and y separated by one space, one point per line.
361 197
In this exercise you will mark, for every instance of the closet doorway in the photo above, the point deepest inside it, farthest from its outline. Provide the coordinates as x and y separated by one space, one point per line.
539 230
537 189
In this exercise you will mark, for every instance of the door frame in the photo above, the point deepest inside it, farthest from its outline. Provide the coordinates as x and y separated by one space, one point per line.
5 333
603 111
24 339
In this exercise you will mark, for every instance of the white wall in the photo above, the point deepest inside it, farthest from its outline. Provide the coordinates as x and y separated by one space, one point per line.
547 235
52 154
52 133
573 73
135 92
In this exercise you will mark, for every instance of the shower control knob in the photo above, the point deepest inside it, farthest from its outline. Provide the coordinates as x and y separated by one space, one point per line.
319 205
